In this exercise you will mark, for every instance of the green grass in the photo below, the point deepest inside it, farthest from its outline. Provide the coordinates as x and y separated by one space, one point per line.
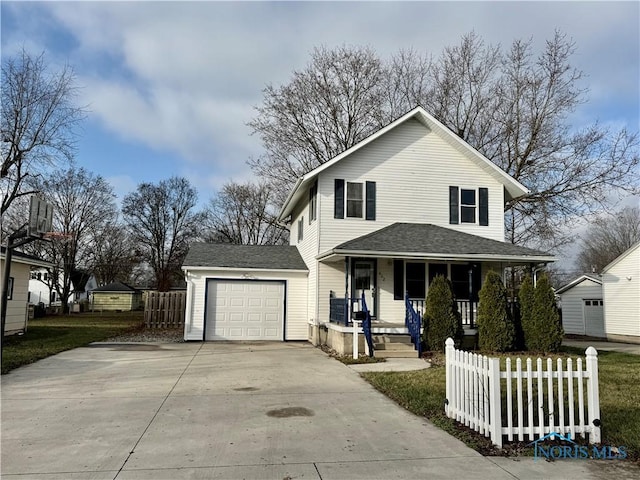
423 393
50 335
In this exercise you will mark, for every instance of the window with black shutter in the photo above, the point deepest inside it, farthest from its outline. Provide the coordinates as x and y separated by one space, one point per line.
338 211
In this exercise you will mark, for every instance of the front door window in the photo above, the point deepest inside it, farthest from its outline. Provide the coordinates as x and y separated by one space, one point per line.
364 281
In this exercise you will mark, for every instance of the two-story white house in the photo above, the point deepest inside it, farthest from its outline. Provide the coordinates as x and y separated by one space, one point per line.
382 219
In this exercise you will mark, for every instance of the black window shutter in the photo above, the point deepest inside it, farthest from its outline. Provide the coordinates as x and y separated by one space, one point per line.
398 279
338 211
483 194
371 201
453 205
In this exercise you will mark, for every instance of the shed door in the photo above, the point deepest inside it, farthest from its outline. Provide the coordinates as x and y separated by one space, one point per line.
244 310
594 317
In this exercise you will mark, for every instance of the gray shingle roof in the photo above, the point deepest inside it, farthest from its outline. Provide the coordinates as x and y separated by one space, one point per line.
432 239
283 257
115 287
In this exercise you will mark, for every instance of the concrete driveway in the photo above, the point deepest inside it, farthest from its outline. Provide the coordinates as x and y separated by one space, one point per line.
219 411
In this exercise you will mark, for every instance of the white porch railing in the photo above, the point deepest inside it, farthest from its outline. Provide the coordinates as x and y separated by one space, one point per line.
554 401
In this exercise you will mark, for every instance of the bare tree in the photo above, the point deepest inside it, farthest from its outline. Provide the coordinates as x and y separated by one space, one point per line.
83 203
38 122
511 105
608 237
326 108
244 214
112 256
162 222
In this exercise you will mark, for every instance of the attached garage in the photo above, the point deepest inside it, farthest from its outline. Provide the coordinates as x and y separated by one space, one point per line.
245 310
245 292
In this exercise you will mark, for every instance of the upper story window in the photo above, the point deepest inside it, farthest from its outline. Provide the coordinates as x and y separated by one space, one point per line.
354 200
313 202
300 229
469 205
359 200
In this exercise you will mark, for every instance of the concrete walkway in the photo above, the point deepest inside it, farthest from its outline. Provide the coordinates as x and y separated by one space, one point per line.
227 411
603 345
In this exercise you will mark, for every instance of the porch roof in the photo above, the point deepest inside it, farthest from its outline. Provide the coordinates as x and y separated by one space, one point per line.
414 240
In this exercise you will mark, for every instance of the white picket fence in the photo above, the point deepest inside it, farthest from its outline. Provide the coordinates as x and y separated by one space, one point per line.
545 401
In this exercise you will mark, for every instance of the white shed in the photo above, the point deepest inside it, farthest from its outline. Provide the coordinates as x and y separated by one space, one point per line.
18 289
582 307
621 286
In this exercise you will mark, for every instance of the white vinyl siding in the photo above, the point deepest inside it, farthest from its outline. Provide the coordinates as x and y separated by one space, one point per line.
17 306
621 286
308 249
330 278
573 305
296 298
413 169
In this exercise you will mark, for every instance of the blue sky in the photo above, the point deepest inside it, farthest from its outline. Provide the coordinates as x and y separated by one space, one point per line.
170 86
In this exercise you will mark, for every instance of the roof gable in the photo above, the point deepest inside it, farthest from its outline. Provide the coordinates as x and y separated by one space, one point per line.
622 257
578 281
512 186
225 255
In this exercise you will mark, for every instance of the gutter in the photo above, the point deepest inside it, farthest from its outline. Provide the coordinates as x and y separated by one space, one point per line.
436 256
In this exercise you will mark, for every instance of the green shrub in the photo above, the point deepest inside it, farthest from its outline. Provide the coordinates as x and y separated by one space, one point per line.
547 332
441 317
496 332
526 297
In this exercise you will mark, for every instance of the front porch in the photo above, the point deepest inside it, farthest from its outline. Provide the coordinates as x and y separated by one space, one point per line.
390 338
390 270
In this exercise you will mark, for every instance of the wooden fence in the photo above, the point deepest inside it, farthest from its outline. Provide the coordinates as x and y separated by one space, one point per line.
164 309
546 401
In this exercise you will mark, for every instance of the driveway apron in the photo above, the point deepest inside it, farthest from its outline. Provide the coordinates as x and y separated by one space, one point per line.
223 410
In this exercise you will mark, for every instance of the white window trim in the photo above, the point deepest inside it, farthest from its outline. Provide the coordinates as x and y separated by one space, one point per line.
301 229
476 219
362 200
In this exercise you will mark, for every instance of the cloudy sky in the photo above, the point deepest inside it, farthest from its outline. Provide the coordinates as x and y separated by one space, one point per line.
171 85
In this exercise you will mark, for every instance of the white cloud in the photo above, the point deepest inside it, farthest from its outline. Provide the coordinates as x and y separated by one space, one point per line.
184 77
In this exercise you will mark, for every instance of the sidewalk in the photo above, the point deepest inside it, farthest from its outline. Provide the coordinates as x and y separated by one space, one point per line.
603 345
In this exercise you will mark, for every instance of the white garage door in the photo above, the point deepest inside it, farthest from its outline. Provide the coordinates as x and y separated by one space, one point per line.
244 310
594 317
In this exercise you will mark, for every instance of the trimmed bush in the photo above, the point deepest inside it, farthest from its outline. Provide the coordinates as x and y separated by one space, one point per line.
496 332
441 317
526 297
547 332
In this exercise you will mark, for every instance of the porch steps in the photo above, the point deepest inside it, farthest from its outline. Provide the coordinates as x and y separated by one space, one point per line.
396 346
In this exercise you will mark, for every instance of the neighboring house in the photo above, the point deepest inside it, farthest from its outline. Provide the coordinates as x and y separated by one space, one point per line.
40 290
116 296
582 306
82 283
18 292
621 287
382 219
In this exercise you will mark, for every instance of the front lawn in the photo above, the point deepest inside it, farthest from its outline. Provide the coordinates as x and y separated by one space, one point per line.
423 393
50 335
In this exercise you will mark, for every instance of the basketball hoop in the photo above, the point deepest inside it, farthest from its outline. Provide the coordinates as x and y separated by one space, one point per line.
57 236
